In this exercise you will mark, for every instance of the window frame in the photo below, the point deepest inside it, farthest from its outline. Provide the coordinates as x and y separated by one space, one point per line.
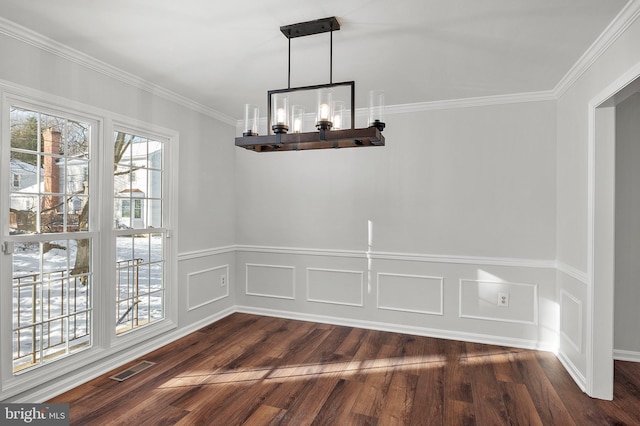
105 341
170 210
44 104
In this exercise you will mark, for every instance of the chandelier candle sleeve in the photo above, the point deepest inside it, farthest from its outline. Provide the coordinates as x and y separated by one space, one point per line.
251 119
280 114
324 113
376 109
338 115
297 118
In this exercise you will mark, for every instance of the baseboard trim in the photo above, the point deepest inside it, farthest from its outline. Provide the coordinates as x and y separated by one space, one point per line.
573 371
405 329
109 363
622 355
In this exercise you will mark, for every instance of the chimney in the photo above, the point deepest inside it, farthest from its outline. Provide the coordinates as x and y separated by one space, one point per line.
51 145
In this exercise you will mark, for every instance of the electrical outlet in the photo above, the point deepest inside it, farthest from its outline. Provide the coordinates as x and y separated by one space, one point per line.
223 280
503 299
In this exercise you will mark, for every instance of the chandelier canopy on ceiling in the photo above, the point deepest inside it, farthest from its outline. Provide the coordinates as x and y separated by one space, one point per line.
334 122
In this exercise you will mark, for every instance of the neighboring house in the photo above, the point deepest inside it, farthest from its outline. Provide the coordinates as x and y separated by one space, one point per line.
22 174
133 208
24 189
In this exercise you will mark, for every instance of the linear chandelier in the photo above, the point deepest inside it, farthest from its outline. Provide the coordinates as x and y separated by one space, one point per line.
286 109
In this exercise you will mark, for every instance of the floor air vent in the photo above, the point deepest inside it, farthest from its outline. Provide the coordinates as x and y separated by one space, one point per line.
132 371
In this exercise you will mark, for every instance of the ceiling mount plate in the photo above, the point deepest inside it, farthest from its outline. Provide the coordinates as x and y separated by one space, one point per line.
317 26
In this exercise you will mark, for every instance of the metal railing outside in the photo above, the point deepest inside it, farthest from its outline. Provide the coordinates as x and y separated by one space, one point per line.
51 316
128 290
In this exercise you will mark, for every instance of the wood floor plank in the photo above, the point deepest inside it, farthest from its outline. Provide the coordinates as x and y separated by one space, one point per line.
399 399
351 342
306 407
457 379
237 407
487 397
265 415
376 373
547 400
459 413
582 409
338 405
520 407
428 400
626 392
256 370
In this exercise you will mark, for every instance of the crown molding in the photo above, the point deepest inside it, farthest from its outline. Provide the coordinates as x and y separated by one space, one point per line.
480 101
614 30
27 36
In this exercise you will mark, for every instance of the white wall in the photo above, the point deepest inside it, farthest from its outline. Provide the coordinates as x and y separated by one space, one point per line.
458 206
476 181
627 222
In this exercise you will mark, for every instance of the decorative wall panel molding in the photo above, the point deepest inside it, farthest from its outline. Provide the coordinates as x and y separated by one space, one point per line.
479 300
415 257
301 251
411 293
571 324
574 273
275 281
199 254
334 286
203 287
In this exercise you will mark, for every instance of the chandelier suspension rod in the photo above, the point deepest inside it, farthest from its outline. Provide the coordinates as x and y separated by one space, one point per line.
289 70
330 57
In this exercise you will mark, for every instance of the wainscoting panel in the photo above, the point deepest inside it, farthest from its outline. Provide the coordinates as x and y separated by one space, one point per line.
479 300
405 291
571 320
411 293
335 286
274 281
207 286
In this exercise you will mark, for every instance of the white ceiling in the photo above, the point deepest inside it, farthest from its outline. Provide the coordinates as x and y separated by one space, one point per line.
225 54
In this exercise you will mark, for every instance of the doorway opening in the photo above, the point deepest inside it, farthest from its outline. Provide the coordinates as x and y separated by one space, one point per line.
604 135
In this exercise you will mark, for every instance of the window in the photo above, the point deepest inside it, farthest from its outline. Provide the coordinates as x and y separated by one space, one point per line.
126 208
140 237
137 209
75 238
52 271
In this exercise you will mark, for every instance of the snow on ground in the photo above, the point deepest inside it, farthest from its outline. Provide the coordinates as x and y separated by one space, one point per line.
56 295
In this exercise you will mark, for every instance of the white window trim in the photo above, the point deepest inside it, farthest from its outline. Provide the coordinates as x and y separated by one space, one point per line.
170 211
105 342
13 384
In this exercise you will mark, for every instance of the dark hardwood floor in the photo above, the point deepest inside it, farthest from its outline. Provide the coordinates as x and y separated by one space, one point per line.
254 370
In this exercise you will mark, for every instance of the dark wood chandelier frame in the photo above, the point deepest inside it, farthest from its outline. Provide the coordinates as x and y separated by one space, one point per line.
323 138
